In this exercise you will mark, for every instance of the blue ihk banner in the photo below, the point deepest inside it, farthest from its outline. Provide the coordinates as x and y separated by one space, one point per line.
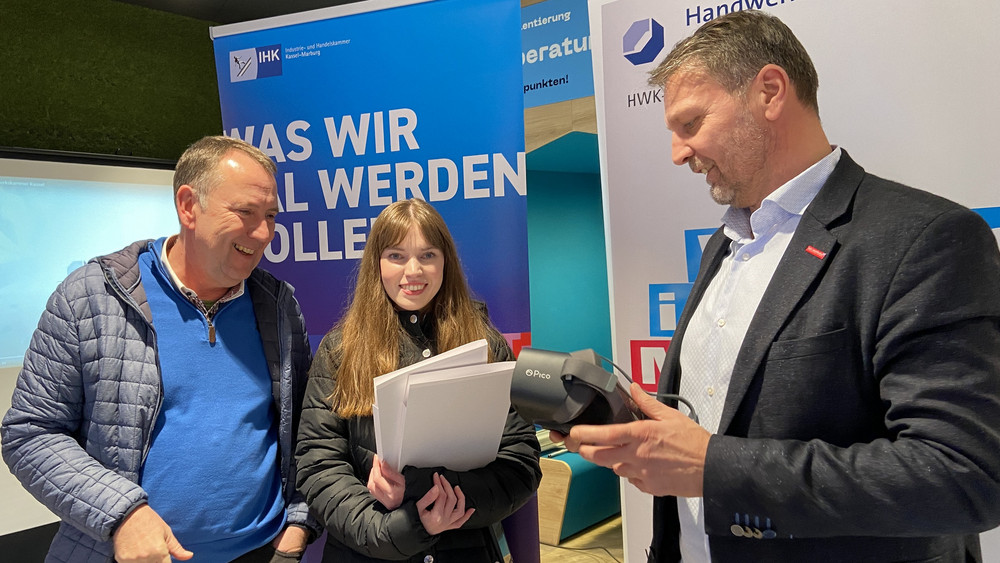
361 110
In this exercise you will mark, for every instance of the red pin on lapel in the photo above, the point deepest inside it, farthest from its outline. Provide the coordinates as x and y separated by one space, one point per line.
816 252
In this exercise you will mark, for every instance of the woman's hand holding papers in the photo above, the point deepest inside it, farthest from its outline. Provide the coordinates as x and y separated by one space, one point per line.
443 507
386 484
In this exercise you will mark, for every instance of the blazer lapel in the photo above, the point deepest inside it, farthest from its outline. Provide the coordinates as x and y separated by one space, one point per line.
812 246
711 258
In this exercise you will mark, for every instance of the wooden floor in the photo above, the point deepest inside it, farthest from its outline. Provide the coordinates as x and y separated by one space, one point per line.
601 543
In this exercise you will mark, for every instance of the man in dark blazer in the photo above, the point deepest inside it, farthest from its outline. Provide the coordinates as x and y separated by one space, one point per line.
861 410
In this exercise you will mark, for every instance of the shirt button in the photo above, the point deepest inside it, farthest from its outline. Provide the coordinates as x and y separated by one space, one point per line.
746 257
721 322
427 354
413 318
429 559
710 390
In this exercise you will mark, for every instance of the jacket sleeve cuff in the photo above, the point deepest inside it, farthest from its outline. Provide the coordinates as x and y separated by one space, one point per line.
298 515
142 501
408 532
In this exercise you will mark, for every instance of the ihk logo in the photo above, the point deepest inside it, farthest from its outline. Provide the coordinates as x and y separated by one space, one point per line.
253 63
643 41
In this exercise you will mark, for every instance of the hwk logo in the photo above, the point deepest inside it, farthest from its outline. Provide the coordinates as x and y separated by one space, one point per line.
643 41
253 63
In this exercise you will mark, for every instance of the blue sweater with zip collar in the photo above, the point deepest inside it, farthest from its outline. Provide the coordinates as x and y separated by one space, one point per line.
212 468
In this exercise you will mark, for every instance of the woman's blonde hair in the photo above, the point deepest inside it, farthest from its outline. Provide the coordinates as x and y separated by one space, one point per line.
370 331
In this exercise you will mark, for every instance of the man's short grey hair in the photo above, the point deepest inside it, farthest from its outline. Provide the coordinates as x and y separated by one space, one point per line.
198 167
732 49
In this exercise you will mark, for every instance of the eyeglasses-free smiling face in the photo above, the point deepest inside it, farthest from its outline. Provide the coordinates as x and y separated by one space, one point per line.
412 271
234 228
715 133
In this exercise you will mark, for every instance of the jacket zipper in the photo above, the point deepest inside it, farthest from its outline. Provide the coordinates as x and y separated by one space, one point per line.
285 392
112 278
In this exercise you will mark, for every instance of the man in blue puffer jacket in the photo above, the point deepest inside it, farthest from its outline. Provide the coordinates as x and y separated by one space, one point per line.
161 392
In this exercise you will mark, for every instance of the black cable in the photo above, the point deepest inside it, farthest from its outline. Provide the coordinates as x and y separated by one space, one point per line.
668 396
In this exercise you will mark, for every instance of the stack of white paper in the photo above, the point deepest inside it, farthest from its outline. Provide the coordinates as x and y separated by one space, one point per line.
448 410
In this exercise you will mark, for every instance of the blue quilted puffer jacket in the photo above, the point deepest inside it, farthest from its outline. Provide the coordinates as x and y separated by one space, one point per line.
88 395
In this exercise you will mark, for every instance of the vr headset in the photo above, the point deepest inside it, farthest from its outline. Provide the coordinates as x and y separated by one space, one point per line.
557 391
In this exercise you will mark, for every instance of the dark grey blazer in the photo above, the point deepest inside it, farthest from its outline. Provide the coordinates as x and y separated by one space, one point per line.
863 416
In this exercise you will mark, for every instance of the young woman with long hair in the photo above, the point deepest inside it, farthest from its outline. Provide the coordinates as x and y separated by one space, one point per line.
410 301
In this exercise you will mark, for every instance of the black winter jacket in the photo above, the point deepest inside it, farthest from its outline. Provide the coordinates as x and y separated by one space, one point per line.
335 457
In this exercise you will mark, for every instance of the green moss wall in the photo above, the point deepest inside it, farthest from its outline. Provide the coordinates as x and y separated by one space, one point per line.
101 76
